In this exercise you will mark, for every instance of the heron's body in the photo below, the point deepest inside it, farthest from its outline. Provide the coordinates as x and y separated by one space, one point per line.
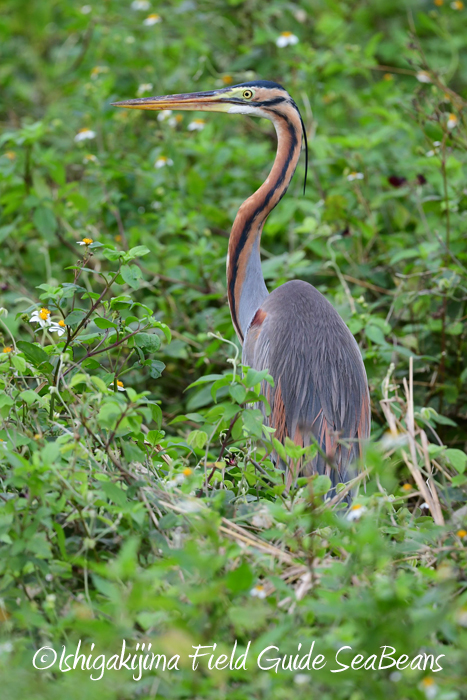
320 391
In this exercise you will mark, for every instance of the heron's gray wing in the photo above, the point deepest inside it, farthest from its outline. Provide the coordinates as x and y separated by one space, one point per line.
321 391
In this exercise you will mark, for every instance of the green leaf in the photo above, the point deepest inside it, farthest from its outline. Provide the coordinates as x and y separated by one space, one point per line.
137 252
457 458
375 334
149 341
75 317
132 275
240 579
197 439
254 377
104 323
45 222
156 369
30 397
34 353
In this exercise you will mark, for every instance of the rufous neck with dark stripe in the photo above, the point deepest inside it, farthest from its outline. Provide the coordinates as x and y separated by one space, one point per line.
245 282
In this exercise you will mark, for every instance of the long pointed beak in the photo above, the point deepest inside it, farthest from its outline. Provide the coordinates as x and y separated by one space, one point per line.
192 101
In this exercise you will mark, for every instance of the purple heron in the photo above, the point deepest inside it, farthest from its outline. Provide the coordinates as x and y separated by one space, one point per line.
321 391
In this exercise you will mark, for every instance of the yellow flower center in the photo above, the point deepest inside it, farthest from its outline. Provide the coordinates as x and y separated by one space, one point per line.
44 314
428 682
286 33
452 118
154 16
227 79
357 506
11 155
82 131
461 533
178 118
87 241
458 5
7 348
62 323
37 436
187 471
198 121
388 76
407 487
438 3
118 238
120 383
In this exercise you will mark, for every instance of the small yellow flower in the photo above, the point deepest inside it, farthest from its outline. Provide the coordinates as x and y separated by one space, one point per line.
152 19
37 436
62 323
44 314
388 76
452 121
258 591
457 5
7 348
461 533
11 155
86 241
120 385
227 79
407 487
428 682
423 76
97 70
187 471
354 176
118 238
438 3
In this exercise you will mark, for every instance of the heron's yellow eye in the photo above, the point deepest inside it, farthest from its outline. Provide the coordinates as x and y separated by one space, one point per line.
248 94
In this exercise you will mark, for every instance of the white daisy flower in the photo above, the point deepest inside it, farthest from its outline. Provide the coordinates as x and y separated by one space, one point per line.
258 591
140 5
429 687
86 241
354 176
163 115
59 328
286 39
120 385
262 519
452 121
423 76
162 161
152 19
395 676
86 9
41 316
196 125
424 506
84 135
143 88
356 511
89 158
301 678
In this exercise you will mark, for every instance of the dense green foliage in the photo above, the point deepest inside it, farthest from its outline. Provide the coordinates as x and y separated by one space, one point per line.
137 498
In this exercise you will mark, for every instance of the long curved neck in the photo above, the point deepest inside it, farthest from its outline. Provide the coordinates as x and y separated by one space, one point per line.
245 282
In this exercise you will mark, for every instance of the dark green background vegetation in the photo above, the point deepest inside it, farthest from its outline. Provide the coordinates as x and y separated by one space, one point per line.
153 513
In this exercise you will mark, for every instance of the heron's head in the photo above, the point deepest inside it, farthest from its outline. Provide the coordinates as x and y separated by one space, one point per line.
258 98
